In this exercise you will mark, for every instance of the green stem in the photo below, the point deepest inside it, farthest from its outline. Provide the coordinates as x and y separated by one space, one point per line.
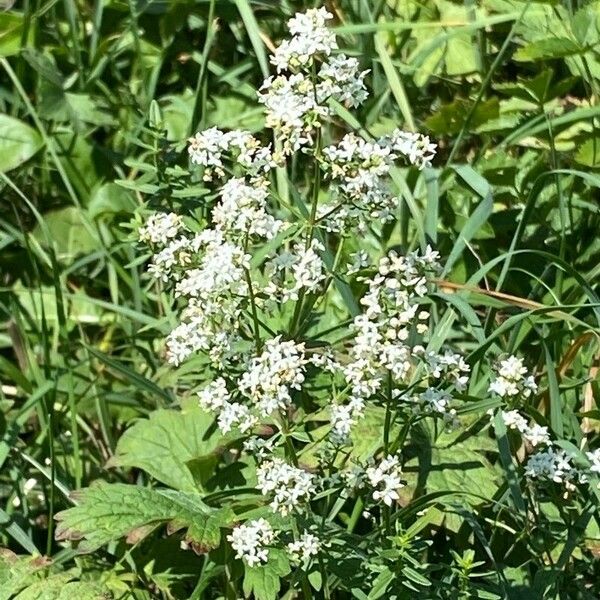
315 191
356 512
255 320
388 416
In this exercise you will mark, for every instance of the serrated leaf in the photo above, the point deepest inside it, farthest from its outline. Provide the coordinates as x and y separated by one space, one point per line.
18 143
264 581
108 512
164 444
28 578
16 572
59 587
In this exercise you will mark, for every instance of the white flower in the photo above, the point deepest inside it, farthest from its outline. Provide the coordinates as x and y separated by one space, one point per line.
310 37
341 79
303 549
160 228
302 268
360 260
216 398
449 365
250 541
242 210
288 485
215 395
553 465
386 480
210 147
259 448
292 110
537 435
417 148
594 458
514 420
270 377
343 417
511 379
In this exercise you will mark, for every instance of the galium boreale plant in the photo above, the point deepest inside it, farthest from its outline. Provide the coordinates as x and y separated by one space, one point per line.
321 390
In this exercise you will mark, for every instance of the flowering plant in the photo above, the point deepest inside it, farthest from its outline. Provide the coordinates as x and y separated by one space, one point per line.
339 419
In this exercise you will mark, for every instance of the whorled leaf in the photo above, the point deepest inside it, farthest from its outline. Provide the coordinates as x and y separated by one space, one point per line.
107 512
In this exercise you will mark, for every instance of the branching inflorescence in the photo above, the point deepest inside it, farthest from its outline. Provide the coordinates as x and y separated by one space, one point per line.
251 279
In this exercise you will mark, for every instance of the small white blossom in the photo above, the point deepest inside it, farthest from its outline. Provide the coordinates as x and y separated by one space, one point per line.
594 458
251 540
511 379
340 78
289 486
160 228
270 377
303 549
343 417
536 435
386 480
310 37
553 465
211 147
259 448
242 210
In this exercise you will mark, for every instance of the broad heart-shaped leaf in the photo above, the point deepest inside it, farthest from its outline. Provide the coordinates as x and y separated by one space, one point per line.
109 511
263 581
163 445
18 143
461 468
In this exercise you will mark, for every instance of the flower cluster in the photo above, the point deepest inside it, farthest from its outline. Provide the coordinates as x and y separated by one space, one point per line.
216 398
380 349
251 540
211 147
512 379
160 227
386 480
291 272
296 100
310 38
288 485
271 376
243 210
534 434
360 173
554 465
304 548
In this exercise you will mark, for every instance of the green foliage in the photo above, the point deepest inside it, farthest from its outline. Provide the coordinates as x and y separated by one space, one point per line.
97 99
179 448
27 578
107 512
18 142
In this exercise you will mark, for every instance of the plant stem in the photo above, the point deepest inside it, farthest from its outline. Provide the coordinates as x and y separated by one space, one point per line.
255 320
